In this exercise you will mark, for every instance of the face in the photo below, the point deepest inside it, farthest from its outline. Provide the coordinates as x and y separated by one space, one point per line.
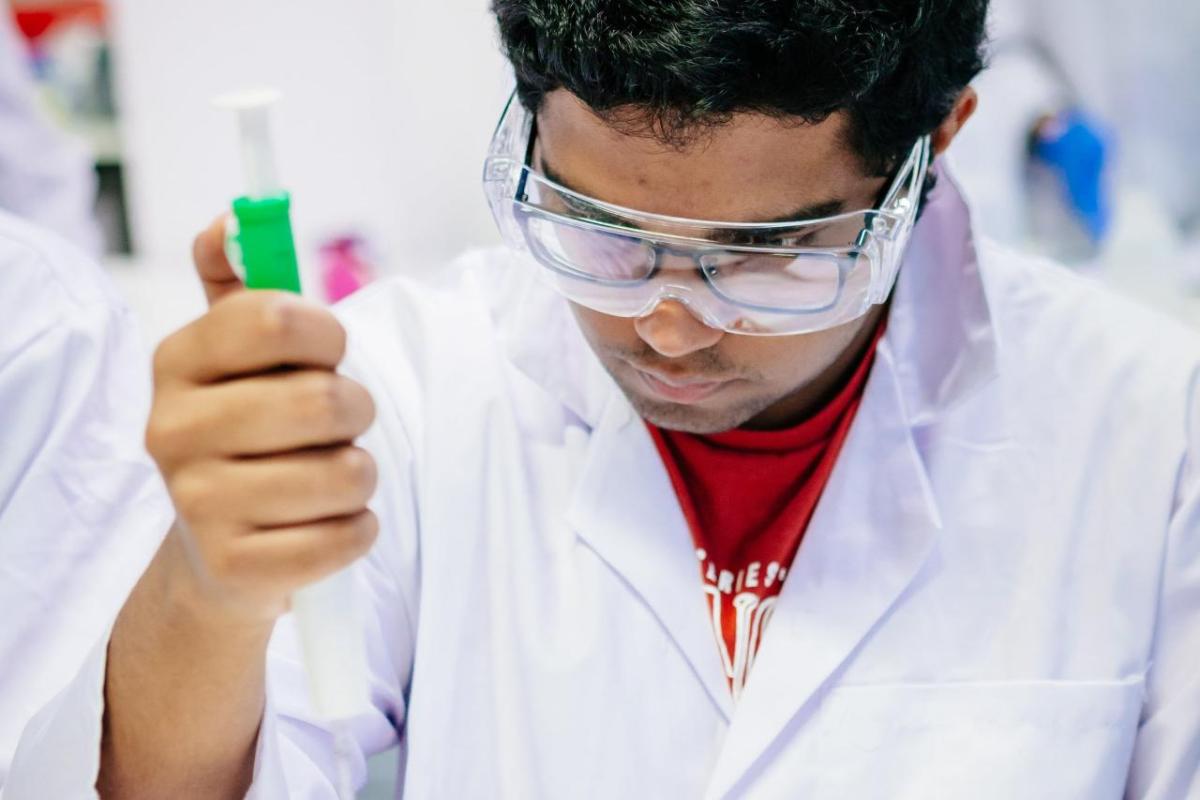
677 372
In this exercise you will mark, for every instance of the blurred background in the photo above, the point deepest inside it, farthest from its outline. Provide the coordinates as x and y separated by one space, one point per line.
387 110
1086 146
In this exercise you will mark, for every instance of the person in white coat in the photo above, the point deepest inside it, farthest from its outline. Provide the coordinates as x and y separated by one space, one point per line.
673 500
1129 70
82 508
45 176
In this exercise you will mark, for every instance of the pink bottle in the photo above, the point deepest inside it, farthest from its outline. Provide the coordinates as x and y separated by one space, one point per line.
344 270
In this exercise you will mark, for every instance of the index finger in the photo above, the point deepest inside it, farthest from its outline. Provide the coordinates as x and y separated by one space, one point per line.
249 332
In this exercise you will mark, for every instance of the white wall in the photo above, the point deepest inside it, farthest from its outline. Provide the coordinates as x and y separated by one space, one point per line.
388 107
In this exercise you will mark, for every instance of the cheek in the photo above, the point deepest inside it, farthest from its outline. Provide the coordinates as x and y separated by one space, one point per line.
785 363
604 330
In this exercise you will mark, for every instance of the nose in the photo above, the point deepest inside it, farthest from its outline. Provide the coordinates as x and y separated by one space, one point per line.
673 331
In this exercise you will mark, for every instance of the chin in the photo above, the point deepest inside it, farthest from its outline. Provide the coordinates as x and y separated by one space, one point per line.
687 418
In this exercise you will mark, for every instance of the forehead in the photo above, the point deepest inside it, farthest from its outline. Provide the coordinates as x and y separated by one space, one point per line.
753 167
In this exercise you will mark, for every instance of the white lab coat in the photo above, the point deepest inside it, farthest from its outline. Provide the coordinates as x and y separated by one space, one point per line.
46 176
1131 65
996 597
81 506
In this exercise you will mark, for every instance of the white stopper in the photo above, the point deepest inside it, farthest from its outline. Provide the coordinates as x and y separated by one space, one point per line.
258 158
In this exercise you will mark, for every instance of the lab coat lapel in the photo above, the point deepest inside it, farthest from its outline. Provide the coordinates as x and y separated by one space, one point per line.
872 531
625 509
623 506
877 521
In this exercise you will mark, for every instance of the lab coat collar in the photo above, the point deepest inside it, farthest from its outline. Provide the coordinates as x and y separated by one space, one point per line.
541 337
878 520
620 508
617 506
871 534
939 328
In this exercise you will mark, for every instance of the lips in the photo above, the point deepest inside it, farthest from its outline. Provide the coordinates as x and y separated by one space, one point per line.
678 390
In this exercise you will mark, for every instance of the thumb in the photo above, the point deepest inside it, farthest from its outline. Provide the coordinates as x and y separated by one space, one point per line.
208 253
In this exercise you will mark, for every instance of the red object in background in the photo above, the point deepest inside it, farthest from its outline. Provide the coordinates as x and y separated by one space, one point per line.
34 20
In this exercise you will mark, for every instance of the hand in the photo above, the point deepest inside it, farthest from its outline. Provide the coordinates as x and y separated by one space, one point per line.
253 430
1076 148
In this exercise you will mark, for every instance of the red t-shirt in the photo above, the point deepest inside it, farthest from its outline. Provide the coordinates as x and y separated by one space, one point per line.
748 497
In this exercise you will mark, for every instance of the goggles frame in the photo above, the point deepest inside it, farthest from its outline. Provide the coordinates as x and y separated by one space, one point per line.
509 180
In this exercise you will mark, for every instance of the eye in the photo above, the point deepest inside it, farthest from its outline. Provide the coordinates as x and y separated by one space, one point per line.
583 212
803 240
572 205
767 240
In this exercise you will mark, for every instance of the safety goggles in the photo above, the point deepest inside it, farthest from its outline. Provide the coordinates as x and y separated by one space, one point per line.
764 279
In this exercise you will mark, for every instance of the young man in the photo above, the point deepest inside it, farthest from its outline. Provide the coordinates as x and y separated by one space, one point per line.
676 496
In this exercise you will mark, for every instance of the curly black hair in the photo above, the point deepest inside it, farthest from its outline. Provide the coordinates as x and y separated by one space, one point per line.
678 67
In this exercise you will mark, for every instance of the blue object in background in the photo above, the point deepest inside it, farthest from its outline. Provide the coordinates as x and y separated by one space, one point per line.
1076 148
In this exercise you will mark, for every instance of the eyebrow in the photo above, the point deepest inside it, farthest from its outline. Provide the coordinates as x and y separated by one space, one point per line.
812 211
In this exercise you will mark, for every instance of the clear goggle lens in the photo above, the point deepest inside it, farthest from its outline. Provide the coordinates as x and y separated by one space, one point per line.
747 290
766 279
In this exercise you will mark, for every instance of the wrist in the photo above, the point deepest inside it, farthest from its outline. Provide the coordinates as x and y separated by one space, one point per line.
179 587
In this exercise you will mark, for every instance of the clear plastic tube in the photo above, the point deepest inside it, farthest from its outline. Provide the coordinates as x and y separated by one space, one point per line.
326 612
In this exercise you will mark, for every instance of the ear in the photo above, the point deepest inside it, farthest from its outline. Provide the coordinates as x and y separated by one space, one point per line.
964 107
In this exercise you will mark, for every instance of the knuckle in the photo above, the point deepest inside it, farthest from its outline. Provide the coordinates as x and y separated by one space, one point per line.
356 469
308 560
212 339
368 527
350 537
365 401
366 532
194 494
337 334
273 319
157 438
320 402
339 543
166 432
163 358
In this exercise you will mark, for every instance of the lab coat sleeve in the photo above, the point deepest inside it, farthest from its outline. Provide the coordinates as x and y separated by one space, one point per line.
45 176
58 753
1166 760
295 749
82 509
